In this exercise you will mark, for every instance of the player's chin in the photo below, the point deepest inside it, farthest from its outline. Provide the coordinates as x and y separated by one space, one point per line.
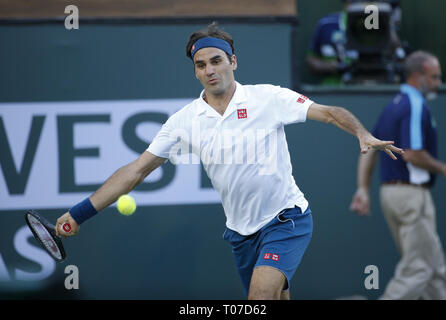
214 92
217 89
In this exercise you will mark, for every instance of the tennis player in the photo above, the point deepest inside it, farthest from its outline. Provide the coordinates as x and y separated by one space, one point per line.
268 219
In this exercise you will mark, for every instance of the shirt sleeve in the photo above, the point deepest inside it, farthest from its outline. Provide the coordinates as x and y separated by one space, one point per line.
169 136
291 107
412 127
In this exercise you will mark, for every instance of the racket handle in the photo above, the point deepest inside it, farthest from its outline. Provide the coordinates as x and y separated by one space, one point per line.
66 227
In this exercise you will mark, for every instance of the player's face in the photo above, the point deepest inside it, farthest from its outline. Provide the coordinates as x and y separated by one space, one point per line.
214 70
431 77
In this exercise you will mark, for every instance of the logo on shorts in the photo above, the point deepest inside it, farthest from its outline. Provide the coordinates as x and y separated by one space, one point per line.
272 256
242 114
302 99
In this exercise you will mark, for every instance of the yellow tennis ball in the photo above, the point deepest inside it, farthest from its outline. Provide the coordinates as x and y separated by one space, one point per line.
126 205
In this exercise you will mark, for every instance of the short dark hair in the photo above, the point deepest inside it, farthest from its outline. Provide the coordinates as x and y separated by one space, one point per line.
415 61
212 30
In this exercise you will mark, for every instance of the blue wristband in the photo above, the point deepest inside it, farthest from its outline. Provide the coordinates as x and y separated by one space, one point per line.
82 211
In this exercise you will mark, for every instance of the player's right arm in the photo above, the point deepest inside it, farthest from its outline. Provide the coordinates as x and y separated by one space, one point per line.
121 182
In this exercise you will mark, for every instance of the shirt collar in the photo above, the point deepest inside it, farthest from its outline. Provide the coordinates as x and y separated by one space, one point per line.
408 89
238 98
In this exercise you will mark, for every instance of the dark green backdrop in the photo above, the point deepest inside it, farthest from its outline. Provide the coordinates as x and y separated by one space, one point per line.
177 252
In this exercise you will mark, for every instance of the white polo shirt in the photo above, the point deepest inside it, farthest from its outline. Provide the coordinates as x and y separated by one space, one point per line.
244 152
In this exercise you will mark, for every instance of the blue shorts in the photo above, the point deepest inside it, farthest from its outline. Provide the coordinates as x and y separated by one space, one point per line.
279 244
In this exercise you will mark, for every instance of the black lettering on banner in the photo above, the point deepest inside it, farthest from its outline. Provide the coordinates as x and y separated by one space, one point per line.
16 179
138 145
67 151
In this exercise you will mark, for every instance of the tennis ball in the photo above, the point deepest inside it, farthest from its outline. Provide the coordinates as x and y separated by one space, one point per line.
126 205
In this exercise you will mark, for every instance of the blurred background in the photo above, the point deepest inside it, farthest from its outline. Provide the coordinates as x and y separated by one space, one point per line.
76 104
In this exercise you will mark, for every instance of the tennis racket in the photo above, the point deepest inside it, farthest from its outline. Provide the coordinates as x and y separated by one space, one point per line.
45 234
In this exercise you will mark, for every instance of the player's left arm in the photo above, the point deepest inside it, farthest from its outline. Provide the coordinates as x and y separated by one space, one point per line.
344 119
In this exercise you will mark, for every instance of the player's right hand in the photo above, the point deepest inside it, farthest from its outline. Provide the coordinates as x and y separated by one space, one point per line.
66 218
361 202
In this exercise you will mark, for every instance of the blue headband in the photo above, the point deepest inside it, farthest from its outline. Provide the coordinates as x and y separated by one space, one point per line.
211 42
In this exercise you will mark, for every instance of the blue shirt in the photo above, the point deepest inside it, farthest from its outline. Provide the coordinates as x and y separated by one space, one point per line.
330 31
407 121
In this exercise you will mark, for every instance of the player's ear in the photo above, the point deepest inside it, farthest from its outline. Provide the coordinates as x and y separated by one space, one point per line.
234 62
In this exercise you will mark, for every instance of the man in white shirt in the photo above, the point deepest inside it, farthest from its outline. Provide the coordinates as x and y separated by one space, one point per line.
238 133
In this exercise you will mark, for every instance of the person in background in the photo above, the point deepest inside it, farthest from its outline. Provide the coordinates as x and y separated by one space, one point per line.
327 55
405 196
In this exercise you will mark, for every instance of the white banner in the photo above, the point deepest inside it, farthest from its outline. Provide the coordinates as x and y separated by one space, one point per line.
55 154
